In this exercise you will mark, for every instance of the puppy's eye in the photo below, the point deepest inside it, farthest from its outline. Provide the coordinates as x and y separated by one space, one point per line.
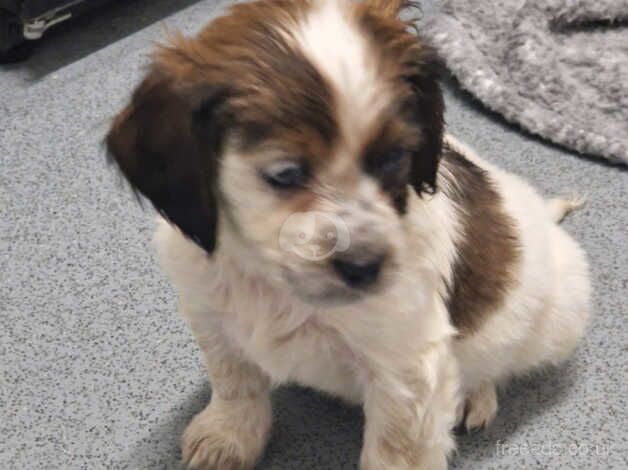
286 174
392 160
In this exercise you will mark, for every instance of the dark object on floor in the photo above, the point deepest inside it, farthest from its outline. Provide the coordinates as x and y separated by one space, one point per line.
23 22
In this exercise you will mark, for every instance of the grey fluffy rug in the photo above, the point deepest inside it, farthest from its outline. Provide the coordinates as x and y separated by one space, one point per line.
559 68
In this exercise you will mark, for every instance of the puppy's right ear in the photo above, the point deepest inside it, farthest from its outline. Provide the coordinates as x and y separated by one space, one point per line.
166 143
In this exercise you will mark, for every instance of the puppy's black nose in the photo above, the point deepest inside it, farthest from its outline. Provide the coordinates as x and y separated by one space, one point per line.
358 273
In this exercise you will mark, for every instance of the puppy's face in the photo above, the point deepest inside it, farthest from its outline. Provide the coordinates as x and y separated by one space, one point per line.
302 126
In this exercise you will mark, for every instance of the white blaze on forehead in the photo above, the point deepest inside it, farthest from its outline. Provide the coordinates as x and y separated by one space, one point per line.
330 38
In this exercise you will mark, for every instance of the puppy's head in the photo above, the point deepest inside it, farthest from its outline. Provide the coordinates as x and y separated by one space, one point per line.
301 125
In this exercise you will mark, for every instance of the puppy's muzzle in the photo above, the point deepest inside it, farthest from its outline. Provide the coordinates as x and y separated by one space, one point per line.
358 272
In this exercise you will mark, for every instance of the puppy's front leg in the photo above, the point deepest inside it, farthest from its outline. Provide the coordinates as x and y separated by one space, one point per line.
232 431
410 411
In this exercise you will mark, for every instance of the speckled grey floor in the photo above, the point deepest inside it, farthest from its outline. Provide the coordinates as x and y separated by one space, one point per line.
97 371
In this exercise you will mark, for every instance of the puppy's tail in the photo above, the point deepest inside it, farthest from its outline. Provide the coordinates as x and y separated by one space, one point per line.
559 207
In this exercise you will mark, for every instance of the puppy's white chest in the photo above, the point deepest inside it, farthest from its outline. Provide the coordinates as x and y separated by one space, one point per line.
295 345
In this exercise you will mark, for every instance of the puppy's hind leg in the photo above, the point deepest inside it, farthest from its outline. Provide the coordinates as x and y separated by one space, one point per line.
480 407
559 328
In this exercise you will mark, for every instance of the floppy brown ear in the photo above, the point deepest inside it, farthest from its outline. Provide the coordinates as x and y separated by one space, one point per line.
427 110
166 143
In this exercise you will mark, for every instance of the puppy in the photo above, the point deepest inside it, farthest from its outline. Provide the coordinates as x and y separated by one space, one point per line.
320 229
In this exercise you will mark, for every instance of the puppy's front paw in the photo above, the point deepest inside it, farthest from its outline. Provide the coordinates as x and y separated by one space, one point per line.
226 438
204 448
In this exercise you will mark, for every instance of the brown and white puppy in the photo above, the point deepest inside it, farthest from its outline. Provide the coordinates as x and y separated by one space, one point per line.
319 229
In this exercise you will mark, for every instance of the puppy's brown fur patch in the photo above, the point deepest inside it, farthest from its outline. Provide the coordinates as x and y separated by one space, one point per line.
488 251
274 89
409 61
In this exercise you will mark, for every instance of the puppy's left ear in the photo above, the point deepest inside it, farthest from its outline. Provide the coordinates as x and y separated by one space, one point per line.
427 110
166 143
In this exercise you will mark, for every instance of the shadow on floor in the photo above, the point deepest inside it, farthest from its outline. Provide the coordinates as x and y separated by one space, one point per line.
77 38
519 403
312 431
